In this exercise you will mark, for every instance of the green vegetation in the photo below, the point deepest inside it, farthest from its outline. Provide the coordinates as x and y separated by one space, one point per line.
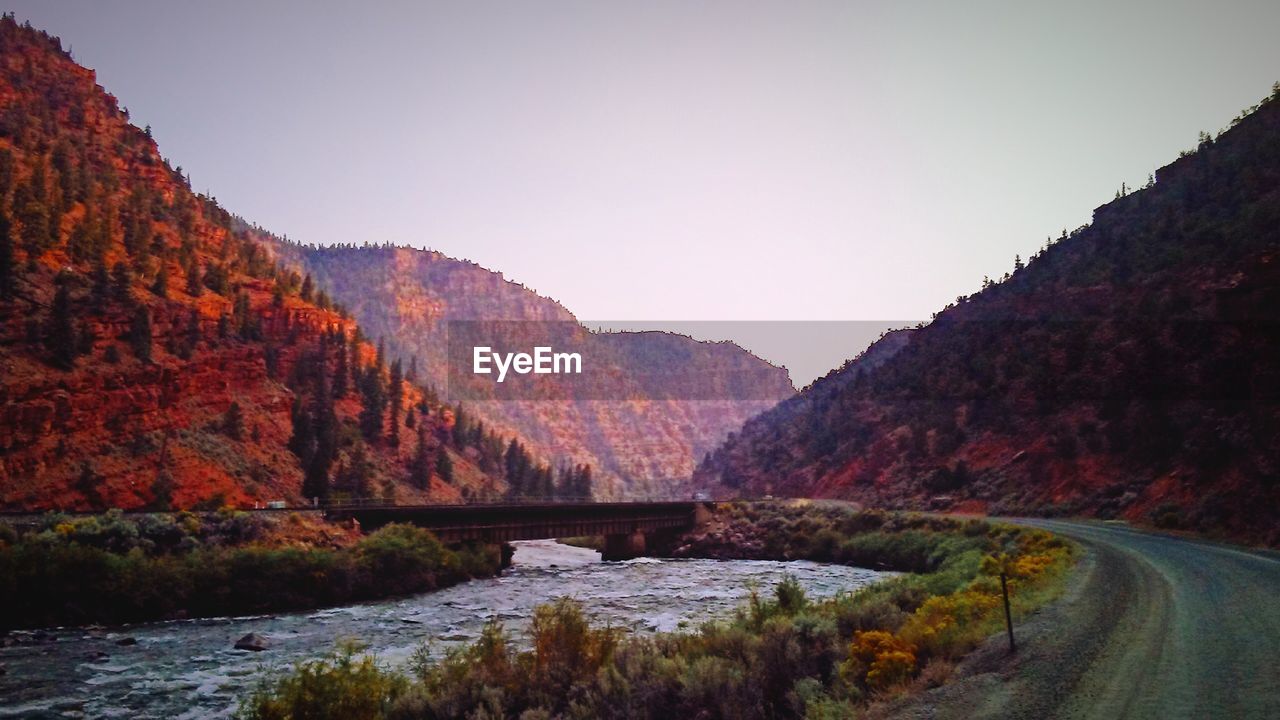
115 569
784 656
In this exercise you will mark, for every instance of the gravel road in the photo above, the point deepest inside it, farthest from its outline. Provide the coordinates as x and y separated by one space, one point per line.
1151 627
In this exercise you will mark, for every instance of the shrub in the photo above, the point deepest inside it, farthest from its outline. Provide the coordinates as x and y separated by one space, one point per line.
342 686
879 660
405 559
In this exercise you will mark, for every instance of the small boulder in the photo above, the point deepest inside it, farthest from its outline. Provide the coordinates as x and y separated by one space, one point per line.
253 642
127 641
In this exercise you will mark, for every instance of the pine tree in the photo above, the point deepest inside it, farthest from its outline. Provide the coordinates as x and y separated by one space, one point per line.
325 420
6 256
516 465
314 459
397 404
162 489
140 333
342 372
122 281
80 244
85 338
193 330
195 286
581 485
32 212
375 404
60 337
88 485
444 467
460 427
246 322
161 285
420 469
307 288
302 441
101 282
357 476
233 422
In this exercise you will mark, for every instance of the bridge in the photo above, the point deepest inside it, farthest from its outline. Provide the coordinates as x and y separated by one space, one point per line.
627 527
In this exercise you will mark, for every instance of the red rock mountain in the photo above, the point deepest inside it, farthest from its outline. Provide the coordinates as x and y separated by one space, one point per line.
641 430
156 350
1131 368
153 351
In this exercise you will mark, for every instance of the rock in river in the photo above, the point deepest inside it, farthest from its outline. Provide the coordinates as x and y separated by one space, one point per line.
252 641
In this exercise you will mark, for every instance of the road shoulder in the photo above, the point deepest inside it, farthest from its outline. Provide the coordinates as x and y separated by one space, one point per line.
1056 646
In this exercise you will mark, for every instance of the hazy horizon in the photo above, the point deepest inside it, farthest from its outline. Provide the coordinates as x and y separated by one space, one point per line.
675 162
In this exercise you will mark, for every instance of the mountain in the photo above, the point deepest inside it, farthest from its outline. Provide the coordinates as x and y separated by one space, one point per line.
642 429
1128 370
160 351
154 350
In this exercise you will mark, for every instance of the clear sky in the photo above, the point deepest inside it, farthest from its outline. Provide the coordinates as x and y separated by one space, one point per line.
681 160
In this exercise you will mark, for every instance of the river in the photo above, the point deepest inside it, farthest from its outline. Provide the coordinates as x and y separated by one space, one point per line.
188 668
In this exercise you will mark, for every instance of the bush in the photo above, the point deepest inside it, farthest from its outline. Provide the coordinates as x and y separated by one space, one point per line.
116 569
406 559
879 660
342 686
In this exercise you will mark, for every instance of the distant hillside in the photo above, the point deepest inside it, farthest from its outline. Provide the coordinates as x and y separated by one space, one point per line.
154 353
636 428
1129 369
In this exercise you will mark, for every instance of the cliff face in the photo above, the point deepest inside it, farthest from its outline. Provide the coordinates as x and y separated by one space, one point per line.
642 431
134 314
1130 369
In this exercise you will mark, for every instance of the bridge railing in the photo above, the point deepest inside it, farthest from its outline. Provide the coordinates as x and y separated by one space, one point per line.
372 502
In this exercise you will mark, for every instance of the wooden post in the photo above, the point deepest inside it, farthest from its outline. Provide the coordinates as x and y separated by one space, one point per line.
1008 616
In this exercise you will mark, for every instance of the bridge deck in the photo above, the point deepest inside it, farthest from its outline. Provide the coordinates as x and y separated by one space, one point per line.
502 522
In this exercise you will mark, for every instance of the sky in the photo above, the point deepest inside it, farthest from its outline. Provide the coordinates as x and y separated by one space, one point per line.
674 160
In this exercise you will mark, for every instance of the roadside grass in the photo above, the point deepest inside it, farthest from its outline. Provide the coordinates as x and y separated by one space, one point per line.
780 655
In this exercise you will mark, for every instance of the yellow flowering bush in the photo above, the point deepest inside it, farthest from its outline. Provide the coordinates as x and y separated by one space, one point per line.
879 660
948 624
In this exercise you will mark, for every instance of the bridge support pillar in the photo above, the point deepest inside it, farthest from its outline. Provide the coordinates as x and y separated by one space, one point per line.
623 546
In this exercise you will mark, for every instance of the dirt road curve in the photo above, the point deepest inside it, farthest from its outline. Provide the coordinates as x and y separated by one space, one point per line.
1153 627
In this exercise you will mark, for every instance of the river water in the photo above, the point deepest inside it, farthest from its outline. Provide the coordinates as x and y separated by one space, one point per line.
188 669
